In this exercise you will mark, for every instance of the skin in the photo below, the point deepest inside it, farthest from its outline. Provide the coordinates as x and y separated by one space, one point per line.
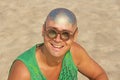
50 55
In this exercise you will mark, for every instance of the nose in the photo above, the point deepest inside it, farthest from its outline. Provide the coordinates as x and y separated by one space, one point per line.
58 39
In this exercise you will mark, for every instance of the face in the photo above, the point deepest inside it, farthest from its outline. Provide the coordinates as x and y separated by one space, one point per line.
58 37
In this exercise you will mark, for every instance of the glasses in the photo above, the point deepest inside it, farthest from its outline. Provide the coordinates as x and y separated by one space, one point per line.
65 35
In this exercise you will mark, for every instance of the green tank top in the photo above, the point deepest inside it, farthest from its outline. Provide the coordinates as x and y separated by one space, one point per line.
68 71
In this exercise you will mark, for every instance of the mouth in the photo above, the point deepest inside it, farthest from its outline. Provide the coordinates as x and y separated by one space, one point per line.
57 46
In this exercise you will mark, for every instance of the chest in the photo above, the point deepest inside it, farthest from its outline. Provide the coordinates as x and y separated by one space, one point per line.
66 71
51 73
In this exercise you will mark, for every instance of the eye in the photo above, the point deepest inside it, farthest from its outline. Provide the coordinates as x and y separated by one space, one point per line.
52 33
65 35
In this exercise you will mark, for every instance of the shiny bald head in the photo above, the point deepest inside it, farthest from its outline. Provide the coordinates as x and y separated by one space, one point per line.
61 16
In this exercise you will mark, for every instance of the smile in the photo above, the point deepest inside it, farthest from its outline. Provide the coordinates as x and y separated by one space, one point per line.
57 46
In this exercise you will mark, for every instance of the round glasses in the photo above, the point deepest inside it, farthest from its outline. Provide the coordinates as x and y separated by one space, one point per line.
65 35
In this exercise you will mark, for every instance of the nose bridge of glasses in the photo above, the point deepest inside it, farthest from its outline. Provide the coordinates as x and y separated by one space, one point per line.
58 37
58 33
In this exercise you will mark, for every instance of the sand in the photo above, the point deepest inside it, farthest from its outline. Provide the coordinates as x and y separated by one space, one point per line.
98 23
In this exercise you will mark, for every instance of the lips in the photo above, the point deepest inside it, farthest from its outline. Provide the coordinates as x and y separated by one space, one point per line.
57 46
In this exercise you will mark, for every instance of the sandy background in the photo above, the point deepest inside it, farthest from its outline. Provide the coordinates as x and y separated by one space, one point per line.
98 22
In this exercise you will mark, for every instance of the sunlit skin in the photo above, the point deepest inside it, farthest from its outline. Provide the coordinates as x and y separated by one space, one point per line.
50 55
57 48
54 50
61 21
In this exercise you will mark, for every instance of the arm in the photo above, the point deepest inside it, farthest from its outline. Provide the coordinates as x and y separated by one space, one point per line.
18 72
86 65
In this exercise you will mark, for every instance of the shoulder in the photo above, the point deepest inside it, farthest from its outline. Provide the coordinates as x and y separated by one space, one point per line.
76 47
19 71
80 56
27 55
82 60
78 53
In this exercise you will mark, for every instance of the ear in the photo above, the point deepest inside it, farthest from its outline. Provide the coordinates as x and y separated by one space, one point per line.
75 35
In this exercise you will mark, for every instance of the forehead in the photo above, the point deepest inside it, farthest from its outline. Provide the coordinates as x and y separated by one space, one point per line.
60 24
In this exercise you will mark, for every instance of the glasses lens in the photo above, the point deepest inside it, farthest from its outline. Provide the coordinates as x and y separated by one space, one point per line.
52 33
65 35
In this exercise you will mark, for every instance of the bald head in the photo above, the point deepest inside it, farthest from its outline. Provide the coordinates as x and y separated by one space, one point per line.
61 16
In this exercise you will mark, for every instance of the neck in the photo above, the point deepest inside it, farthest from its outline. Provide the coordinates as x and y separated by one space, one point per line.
49 59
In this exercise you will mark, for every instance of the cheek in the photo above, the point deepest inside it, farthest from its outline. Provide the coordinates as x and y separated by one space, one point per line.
46 39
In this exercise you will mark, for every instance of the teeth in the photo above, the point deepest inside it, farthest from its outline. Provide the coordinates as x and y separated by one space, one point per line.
57 46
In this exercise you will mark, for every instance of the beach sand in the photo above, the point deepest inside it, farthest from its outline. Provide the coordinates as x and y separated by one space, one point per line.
98 23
